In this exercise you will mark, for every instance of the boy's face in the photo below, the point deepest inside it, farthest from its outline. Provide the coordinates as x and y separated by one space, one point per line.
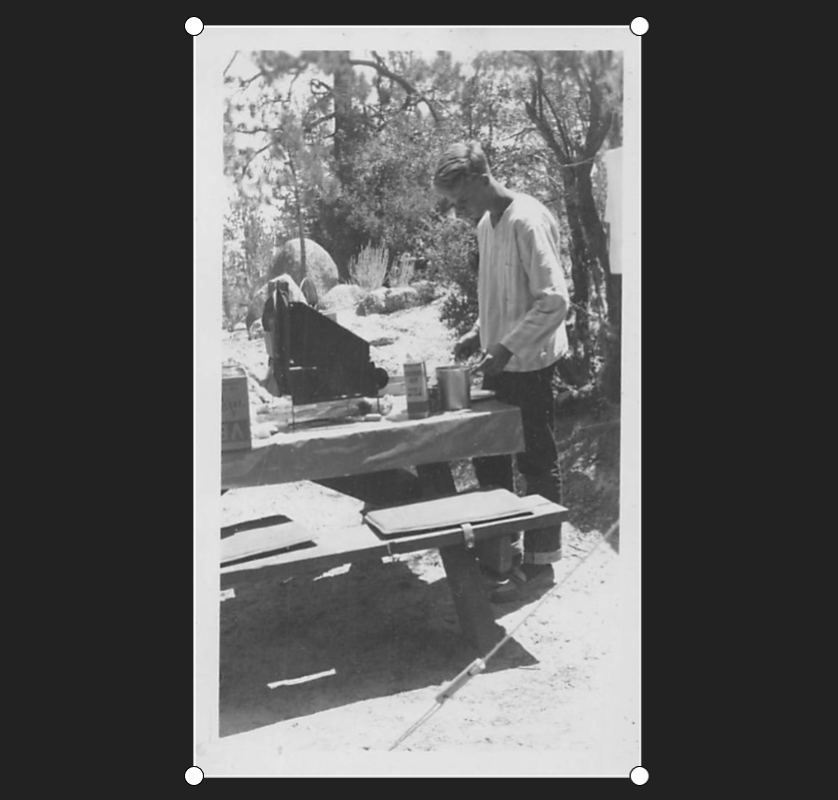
466 196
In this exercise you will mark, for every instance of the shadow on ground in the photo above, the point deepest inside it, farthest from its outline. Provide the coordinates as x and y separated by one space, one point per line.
378 626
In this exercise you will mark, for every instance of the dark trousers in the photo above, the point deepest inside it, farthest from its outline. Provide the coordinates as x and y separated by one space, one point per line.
532 392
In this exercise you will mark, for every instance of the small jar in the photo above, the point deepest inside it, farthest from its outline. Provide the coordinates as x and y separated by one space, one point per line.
434 401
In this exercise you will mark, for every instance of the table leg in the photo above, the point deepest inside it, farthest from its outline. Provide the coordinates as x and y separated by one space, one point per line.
437 480
470 600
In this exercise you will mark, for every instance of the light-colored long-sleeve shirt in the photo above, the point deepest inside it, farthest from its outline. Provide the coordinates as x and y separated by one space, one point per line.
521 288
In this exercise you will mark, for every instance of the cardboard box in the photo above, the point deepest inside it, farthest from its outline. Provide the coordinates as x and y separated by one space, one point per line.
235 409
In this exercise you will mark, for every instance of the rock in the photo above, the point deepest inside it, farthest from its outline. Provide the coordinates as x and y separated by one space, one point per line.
320 267
256 330
310 293
291 290
428 291
386 301
342 296
257 303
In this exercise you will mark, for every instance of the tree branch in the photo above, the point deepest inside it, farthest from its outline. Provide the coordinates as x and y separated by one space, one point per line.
310 126
261 150
382 70
251 131
230 64
546 131
297 74
523 132
245 83
560 125
325 90
592 147
541 124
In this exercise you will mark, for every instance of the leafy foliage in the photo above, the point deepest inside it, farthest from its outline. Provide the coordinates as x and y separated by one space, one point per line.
248 245
453 259
340 149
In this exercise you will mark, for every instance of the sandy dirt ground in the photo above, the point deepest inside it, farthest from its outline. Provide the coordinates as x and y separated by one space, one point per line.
322 673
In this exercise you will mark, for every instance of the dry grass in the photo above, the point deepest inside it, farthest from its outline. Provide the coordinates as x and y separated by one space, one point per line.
401 273
370 267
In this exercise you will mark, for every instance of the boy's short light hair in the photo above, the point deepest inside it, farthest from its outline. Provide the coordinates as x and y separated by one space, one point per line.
459 161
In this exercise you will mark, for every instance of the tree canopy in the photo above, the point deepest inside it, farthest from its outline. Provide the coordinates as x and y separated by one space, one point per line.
339 148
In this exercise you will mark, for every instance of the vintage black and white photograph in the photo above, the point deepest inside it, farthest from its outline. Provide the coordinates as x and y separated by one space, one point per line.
417 458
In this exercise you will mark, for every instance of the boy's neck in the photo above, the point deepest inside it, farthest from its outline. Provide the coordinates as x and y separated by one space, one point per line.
500 200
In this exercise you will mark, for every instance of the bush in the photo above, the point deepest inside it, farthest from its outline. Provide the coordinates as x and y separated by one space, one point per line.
453 261
370 267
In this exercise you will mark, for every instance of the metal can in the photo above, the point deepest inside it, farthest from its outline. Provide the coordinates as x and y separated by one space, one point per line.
455 387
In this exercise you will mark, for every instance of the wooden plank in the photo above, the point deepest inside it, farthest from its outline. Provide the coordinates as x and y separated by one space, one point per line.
250 524
272 539
346 545
338 547
444 511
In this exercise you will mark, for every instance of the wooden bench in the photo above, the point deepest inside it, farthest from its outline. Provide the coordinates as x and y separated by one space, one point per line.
302 552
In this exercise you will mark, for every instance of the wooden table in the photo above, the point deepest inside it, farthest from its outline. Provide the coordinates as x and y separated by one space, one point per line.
488 428
313 453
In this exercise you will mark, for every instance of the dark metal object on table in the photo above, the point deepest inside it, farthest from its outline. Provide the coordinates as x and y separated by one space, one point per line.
314 358
454 387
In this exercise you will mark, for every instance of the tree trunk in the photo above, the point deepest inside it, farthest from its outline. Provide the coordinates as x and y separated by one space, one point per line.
299 215
342 81
344 247
580 275
589 260
611 374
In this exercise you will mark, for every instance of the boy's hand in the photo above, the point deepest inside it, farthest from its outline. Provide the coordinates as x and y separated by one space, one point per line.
494 360
467 345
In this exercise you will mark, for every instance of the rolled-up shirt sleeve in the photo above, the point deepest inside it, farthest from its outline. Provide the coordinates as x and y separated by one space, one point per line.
538 248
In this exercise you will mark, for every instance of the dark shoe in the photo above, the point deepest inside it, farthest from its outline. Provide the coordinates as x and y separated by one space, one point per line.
490 578
523 583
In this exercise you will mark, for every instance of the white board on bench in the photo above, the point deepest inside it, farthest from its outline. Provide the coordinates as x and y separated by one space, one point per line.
262 541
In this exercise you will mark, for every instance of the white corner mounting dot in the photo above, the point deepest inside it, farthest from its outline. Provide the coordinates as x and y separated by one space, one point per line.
194 775
194 26
639 26
639 775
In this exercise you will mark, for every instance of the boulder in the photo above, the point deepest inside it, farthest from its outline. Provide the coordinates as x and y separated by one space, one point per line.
257 303
307 288
291 289
320 267
386 301
341 297
256 330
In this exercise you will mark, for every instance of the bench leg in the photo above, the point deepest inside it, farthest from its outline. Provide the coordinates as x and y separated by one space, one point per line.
472 604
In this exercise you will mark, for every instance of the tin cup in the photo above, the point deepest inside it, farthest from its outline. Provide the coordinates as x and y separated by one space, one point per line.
454 387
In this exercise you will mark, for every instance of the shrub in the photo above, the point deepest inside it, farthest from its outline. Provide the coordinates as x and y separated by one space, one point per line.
453 259
370 267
